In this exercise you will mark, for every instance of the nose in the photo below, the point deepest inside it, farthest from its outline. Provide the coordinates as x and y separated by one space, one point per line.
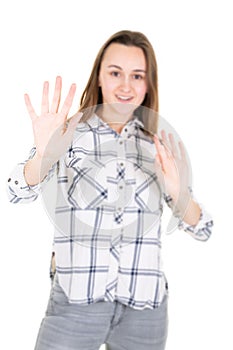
125 84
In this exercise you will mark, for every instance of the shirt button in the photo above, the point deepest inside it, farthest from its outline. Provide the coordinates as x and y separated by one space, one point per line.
126 129
120 187
16 182
121 164
121 142
9 180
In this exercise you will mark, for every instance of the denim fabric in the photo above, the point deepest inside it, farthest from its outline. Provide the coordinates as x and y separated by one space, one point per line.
69 326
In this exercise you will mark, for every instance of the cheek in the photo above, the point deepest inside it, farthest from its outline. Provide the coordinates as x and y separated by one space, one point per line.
107 86
107 89
142 90
104 81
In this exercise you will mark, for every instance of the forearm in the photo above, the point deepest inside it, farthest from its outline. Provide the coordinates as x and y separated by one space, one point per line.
192 213
185 207
36 169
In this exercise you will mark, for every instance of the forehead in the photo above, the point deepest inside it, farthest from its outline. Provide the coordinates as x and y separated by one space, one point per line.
124 56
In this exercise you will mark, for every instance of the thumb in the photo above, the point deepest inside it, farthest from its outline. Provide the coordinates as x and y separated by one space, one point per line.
72 123
74 120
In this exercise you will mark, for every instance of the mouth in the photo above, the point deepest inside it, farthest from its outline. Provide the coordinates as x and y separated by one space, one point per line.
124 99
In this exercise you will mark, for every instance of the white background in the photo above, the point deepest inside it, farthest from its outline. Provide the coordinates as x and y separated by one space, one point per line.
193 44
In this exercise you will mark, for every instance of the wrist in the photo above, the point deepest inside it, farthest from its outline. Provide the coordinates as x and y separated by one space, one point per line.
36 169
181 196
43 161
179 202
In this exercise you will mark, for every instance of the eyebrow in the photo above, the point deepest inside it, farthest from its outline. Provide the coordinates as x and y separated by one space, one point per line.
118 67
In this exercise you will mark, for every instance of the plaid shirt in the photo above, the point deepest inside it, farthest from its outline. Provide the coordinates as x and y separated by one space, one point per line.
107 218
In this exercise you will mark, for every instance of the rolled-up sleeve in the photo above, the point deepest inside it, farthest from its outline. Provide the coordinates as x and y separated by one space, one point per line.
17 188
202 230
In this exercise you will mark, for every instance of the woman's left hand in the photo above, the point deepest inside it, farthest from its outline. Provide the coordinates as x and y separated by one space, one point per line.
171 166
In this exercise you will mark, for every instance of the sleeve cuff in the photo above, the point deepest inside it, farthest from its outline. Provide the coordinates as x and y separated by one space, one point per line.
17 182
203 229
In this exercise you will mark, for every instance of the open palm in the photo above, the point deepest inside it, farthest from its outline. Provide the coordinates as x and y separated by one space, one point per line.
172 166
52 130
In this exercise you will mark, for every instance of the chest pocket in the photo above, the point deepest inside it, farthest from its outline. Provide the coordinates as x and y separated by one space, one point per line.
87 182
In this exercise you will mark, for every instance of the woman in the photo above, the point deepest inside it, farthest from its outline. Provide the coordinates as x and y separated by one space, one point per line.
113 173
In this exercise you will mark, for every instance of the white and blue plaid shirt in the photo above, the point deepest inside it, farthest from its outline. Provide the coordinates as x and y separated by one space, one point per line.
107 217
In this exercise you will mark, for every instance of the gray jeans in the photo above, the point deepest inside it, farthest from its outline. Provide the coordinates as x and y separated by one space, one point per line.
86 327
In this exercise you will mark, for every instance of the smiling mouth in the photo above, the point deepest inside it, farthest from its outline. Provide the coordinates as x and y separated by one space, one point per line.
124 98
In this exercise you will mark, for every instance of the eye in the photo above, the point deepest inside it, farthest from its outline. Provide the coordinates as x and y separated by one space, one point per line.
115 74
138 77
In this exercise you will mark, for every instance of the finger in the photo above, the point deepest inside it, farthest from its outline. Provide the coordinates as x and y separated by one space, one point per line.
166 143
45 98
173 145
182 151
158 161
73 121
57 95
159 170
68 101
30 109
164 137
160 150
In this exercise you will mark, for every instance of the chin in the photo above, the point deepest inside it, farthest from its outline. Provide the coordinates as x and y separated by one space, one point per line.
123 109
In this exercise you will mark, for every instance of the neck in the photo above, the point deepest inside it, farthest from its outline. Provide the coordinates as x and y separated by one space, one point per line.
116 118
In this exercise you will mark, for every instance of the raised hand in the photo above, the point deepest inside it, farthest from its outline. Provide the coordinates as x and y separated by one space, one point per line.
51 129
174 174
172 165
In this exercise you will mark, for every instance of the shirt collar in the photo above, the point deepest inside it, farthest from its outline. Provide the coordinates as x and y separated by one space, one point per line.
132 125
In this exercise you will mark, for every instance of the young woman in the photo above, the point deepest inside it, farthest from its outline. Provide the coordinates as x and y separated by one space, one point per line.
113 172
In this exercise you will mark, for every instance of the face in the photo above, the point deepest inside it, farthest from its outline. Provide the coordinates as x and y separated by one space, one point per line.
122 78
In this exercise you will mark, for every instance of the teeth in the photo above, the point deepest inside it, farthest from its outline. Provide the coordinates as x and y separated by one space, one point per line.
124 98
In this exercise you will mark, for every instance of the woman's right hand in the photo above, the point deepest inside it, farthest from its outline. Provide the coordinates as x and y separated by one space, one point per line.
52 133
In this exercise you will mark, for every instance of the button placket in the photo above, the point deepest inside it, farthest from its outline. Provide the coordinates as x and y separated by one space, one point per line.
121 183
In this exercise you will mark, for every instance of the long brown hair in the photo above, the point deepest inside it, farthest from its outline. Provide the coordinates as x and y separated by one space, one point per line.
92 95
